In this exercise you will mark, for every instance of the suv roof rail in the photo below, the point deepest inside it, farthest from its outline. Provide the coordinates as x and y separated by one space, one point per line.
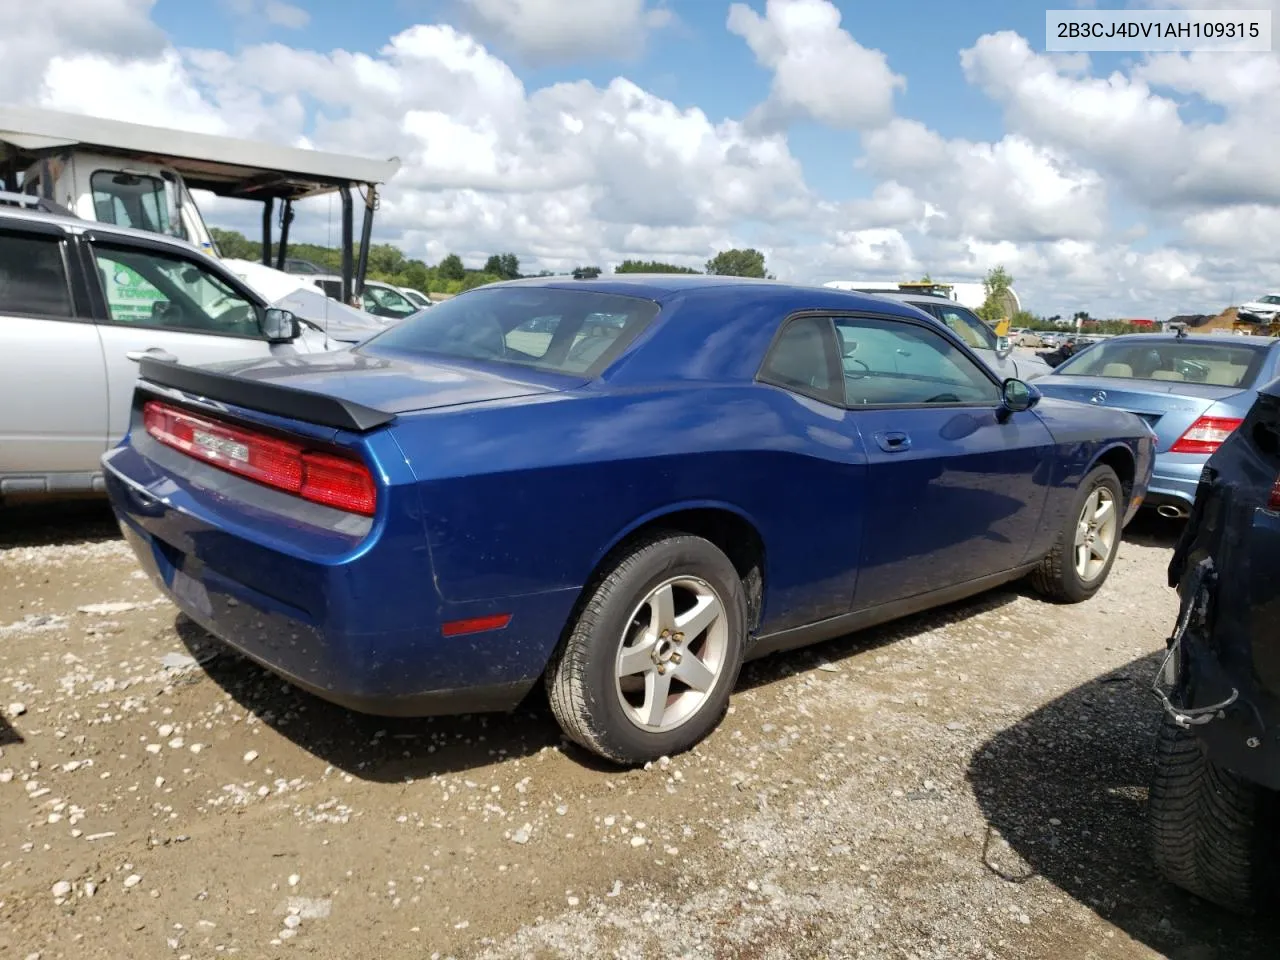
29 202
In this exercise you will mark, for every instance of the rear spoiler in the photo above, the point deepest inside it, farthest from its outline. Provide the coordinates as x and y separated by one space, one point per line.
281 401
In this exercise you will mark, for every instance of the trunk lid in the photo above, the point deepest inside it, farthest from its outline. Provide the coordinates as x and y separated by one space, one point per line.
388 383
1169 406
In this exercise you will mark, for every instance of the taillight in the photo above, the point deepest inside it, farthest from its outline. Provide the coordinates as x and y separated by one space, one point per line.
326 478
1206 435
1273 501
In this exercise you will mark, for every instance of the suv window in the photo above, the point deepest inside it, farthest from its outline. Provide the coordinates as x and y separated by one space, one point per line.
800 360
382 302
966 325
33 278
887 362
155 290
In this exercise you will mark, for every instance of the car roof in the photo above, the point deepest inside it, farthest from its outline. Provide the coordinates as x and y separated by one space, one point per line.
20 215
908 297
660 287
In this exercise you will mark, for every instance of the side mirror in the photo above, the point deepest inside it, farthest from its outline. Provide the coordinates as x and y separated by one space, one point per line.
1017 395
1004 345
280 326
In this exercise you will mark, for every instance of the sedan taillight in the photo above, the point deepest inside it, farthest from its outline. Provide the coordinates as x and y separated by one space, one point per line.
1206 435
321 477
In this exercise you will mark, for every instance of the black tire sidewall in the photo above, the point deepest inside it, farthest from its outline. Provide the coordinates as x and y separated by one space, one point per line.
667 558
1074 587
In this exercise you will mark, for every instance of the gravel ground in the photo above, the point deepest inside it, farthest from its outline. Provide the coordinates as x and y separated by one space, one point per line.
970 783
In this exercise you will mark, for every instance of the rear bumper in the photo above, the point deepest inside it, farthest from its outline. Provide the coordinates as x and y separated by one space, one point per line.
352 618
1174 480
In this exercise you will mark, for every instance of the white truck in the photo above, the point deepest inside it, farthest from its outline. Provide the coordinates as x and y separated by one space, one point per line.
133 175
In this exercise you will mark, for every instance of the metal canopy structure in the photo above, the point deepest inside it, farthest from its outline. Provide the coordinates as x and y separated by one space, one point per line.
224 166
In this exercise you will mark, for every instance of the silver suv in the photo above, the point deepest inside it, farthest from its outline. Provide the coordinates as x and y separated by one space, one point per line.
970 328
80 303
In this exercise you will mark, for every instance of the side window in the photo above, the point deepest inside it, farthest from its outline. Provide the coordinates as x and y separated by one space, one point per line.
149 289
892 362
801 360
968 327
33 279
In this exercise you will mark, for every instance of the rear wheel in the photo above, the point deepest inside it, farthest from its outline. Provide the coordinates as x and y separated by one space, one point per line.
648 666
1081 558
1209 827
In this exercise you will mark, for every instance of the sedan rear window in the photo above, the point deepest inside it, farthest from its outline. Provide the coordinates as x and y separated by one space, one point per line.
1188 361
560 331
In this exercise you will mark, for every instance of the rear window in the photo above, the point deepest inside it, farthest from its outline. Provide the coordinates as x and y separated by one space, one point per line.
560 331
1219 365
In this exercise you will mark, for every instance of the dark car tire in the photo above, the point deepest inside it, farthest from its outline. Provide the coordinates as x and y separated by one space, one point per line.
582 683
1056 577
1210 829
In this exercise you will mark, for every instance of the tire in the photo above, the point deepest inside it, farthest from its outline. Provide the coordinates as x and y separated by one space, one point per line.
1209 827
1056 578
605 713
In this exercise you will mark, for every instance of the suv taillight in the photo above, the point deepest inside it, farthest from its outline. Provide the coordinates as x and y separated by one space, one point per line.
1273 501
327 478
1206 435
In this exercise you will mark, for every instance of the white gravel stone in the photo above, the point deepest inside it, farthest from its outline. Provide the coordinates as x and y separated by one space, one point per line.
17 709
62 889
293 921
131 881
294 879
522 835
251 756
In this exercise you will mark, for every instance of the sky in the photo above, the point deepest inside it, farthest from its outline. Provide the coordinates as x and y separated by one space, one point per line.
846 140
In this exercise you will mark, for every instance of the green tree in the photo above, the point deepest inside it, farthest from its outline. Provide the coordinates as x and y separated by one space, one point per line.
998 286
494 265
510 267
234 244
738 263
585 273
650 266
451 268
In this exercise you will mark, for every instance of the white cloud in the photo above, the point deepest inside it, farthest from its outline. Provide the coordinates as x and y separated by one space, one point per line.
277 13
819 70
544 32
1120 125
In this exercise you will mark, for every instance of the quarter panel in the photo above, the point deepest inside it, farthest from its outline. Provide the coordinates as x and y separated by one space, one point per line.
527 498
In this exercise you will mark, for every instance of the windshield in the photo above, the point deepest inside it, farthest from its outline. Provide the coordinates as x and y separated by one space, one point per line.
1270 298
562 331
1221 365
131 200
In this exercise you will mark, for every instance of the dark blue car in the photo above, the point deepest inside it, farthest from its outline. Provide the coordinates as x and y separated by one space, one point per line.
625 486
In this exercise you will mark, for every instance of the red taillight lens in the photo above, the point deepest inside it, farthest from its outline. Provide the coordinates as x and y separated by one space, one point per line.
1206 435
319 477
1273 501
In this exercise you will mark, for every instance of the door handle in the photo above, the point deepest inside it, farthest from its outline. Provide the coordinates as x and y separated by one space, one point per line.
895 441
155 353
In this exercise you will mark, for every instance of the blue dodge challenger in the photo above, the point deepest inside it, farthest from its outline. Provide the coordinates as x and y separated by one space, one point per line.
623 486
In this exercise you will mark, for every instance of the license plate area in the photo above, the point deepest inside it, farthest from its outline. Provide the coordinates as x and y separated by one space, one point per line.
191 594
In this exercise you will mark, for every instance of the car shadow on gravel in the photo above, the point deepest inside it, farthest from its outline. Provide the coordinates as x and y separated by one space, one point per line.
1064 792
57 523
377 749
388 749
8 735
1149 529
